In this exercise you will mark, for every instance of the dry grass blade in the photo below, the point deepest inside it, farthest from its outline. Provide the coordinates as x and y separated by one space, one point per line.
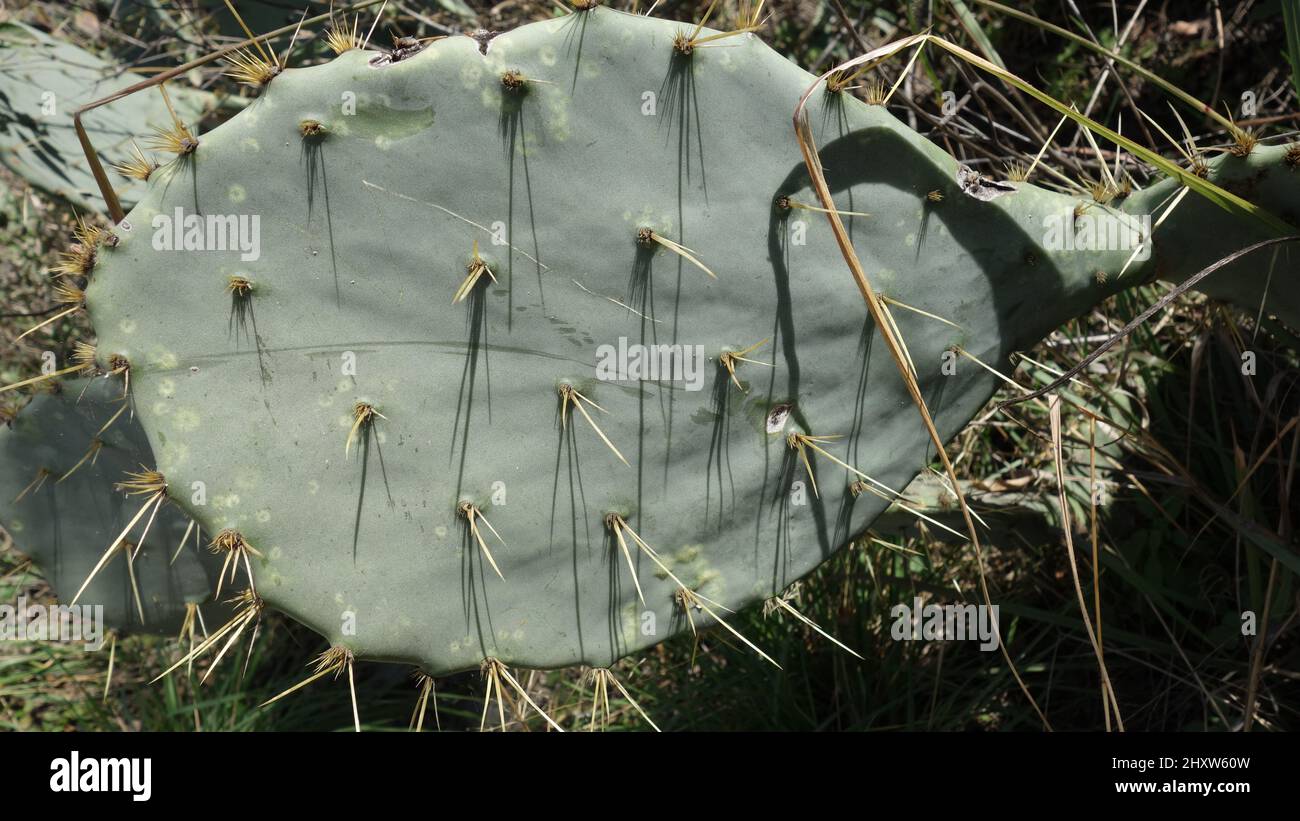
812 162
1054 407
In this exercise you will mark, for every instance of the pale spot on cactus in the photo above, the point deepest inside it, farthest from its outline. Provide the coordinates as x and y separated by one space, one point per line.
339 599
237 193
172 455
471 75
440 532
518 635
630 622
223 502
557 120
167 388
548 55
162 360
17 525
263 516
383 143
161 408
186 420
248 145
127 326
313 487
909 240
275 554
343 386
659 223
325 401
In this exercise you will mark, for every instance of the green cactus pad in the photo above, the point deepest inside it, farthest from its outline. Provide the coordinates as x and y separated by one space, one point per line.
65 526
367 230
42 81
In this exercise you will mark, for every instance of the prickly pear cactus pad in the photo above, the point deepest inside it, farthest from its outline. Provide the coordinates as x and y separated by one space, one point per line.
42 82
394 317
58 502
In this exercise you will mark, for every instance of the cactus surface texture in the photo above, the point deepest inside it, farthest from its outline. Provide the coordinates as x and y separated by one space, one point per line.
424 395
